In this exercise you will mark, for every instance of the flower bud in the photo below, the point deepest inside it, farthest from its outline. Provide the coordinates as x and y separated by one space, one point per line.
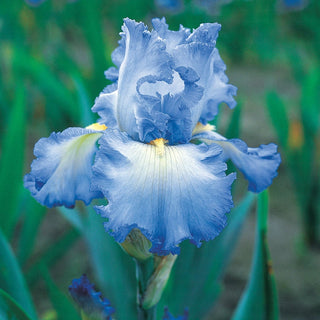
158 280
137 245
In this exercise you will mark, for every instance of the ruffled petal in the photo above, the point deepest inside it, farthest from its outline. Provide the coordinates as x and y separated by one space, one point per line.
169 316
170 193
258 165
197 51
145 57
172 38
167 108
105 106
90 301
200 54
167 81
62 172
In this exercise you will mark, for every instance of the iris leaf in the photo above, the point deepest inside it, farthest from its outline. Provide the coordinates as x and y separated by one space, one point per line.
279 117
10 309
260 301
62 305
53 253
11 162
33 215
11 279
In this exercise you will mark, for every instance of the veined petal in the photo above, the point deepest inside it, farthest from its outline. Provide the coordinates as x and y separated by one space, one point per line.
105 106
145 56
172 38
200 54
170 193
167 108
62 172
258 165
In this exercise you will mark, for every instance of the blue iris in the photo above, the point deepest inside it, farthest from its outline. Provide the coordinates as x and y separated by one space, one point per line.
90 301
166 86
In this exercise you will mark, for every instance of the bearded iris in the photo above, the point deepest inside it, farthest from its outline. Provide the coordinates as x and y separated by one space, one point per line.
166 86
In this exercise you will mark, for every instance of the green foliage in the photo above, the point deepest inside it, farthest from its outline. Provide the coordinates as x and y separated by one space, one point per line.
10 309
299 139
11 278
279 118
11 162
260 300
60 301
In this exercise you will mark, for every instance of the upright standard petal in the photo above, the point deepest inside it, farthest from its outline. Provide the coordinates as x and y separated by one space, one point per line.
62 172
90 301
197 51
172 38
258 165
167 108
170 193
144 57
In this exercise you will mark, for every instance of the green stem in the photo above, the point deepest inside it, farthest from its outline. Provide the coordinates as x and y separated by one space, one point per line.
143 274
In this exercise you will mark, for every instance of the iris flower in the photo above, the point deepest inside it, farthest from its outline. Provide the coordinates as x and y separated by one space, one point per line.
89 300
166 86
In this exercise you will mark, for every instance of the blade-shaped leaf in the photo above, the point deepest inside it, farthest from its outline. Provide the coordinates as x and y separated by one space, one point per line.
48 83
11 279
310 109
234 125
52 254
62 304
10 309
279 118
86 116
260 300
11 162
33 215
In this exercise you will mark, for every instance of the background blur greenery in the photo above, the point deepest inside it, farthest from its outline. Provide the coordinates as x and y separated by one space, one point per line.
52 58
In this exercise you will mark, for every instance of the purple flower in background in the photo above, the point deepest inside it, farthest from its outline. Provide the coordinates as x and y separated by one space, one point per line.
90 301
34 2
287 5
169 316
174 5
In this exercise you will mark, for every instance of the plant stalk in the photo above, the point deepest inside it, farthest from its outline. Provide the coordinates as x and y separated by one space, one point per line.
143 273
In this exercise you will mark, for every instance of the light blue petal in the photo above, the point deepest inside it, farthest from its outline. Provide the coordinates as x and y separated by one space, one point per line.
200 54
144 57
170 194
105 106
166 83
197 51
167 108
62 172
258 165
172 38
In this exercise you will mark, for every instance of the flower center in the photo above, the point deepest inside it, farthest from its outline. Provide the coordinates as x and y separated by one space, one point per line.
159 144
97 127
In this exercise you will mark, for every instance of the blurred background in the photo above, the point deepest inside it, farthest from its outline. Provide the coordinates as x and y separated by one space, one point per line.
52 56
